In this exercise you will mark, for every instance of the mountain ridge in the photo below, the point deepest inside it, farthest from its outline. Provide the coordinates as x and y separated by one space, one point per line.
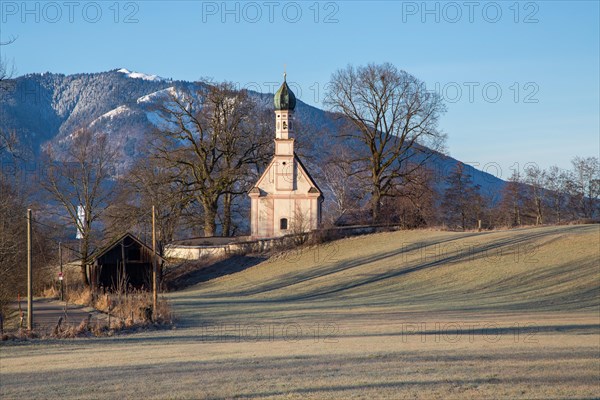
46 107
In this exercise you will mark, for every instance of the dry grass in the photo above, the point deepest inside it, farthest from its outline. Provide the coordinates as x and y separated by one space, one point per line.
124 311
134 308
113 313
393 315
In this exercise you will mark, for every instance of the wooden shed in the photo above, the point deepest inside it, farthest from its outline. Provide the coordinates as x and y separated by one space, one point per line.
124 263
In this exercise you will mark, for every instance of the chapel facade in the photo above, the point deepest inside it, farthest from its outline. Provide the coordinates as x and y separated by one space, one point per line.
285 200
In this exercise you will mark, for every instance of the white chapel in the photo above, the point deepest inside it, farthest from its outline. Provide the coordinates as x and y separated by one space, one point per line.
285 200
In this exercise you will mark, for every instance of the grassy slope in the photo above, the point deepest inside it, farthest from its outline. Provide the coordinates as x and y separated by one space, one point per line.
366 293
526 270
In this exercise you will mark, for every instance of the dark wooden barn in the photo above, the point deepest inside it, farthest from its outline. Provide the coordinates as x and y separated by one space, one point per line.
123 264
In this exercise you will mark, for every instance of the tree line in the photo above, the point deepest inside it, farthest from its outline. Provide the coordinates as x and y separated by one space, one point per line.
534 196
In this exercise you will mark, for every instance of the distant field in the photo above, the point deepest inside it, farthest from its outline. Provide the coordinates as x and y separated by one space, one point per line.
414 314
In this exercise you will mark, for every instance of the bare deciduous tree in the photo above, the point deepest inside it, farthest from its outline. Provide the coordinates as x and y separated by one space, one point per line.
12 237
416 199
14 200
345 189
147 183
6 71
535 178
586 185
81 176
556 183
511 204
8 139
462 202
12 229
211 142
393 115
245 133
300 225
8 142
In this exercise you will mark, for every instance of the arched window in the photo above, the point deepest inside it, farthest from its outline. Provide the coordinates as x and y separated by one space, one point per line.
283 223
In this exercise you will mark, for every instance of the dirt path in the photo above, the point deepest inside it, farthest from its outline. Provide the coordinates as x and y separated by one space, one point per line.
46 313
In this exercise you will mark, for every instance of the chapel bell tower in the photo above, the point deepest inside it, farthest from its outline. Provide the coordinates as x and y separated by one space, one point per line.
285 200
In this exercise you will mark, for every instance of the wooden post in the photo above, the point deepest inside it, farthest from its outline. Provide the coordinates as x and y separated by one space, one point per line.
154 272
123 271
92 282
29 275
479 225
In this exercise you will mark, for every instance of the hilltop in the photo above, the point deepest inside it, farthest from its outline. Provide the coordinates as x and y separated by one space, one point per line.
545 269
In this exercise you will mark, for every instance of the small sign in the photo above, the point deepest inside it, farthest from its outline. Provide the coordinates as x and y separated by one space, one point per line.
60 276
80 221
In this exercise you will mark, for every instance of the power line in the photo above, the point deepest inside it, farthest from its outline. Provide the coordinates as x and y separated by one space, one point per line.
54 239
78 252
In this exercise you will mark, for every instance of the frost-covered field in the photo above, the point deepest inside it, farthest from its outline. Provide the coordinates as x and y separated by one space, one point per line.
420 314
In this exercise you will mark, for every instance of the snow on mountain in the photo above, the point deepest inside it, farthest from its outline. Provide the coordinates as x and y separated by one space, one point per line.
111 114
158 95
140 75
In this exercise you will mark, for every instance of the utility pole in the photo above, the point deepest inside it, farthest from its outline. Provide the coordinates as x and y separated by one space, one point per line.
29 275
154 273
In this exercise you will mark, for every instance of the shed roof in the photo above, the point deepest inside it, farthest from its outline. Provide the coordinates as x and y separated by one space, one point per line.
102 251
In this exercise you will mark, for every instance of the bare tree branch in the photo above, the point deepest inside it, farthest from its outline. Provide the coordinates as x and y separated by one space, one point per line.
393 116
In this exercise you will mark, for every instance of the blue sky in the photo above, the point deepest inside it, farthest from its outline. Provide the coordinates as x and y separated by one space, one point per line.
520 79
